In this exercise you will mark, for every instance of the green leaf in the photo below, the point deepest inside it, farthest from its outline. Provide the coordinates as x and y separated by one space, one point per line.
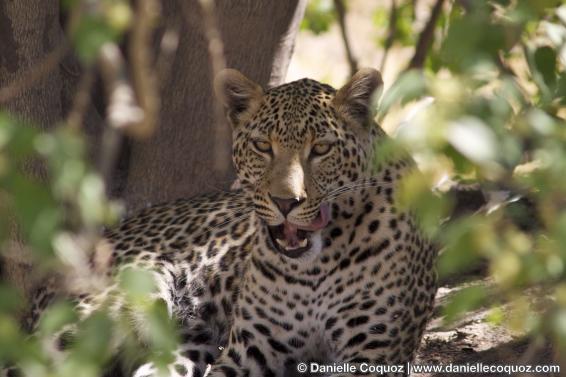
410 86
319 16
90 35
545 62
461 251
473 139
57 316
559 328
69 4
476 39
10 300
464 301
10 338
17 137
137 282
414 194
560 93
540 6
161 326
36 210
94 338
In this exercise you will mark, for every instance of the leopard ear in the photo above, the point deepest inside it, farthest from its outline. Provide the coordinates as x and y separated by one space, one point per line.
239 95
354 101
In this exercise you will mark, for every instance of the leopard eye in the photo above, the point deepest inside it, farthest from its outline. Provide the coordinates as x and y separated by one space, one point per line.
321 149
262 146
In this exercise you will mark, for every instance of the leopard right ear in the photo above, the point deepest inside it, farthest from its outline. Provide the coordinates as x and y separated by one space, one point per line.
240 96
354 100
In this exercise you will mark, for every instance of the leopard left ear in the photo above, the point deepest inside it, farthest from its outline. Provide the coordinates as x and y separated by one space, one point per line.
354 101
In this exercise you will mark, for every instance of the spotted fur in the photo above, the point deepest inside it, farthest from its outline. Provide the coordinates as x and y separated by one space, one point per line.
362 290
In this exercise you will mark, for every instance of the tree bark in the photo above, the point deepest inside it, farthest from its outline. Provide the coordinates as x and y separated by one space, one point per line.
30 34
178 161
38 72
30 31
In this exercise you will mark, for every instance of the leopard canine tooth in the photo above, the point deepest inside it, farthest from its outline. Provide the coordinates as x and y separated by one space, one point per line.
281 243
303 243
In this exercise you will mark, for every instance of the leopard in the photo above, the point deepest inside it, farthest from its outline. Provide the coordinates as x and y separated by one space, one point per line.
310 260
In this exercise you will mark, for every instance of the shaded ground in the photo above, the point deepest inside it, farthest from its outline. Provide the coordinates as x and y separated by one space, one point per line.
473 340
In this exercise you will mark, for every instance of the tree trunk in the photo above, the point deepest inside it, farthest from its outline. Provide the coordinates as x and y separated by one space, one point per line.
178 161
38 72
29 33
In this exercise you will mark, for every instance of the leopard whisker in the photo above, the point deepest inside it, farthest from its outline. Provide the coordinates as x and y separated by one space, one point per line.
363 181
342 190
350 189
354 184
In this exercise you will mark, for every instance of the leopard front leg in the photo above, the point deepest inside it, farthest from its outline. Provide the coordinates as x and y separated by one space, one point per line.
246 355
380 344
200 337
190 361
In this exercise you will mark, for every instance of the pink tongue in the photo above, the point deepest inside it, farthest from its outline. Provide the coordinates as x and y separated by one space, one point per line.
321 220
290 230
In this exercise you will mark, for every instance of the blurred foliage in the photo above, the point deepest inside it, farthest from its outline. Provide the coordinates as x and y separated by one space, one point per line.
319 16
491 103
59 220
496 77
403 23
97 23
494 95
55 202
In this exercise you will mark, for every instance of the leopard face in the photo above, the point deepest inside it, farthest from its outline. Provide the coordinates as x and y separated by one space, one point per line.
296 144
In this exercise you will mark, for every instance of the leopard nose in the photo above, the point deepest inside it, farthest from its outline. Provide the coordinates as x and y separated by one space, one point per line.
286 205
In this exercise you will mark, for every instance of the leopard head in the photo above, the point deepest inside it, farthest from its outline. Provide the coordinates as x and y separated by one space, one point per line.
295 144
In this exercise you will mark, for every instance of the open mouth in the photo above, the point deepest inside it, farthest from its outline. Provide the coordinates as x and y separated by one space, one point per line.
292 240
289 240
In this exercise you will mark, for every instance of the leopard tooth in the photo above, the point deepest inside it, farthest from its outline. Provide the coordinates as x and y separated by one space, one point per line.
291 247
284 244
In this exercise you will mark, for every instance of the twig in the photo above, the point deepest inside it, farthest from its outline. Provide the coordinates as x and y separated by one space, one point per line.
341 13
426 37
218 63
392 30
167 50
503 66
415 4
27 79
123 113
144 79
81 100
215 45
